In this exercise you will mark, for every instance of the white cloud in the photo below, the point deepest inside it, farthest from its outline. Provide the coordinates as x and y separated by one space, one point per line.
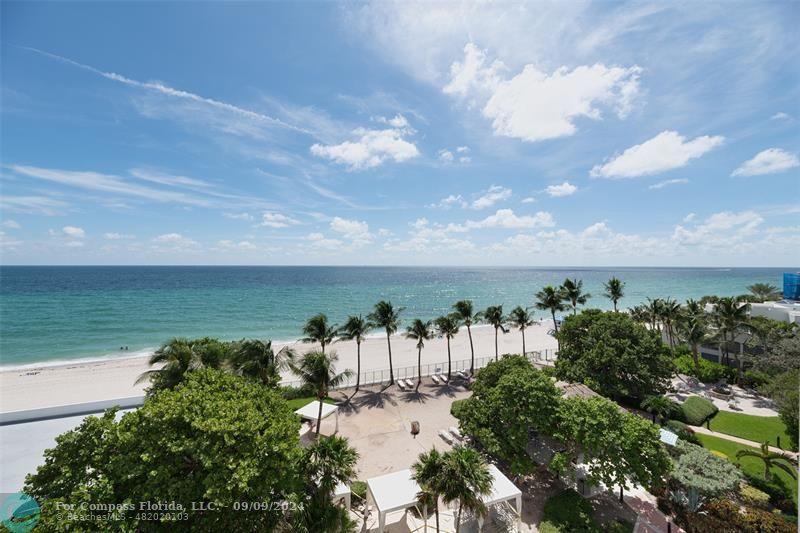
277 220
689 217
372 148
40 205
446 156
173 241
118 236
780 116
318 240
491 196
564 189
724 229
7 242
352 229
528 200
10 224
666 151
770 161
462 149
667 183
238 216
534 105
454 200
233 245
73 232
464 159
505 218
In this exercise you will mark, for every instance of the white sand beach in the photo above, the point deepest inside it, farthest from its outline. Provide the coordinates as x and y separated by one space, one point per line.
78 382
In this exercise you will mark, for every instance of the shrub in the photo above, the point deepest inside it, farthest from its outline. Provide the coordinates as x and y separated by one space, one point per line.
779 494
568 511
753 496
682 431
748 519
359 488
754 379
456 407
696 410
710 372
292 393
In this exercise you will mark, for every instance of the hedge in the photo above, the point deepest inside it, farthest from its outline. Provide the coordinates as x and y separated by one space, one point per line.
682 431
568 512
696 410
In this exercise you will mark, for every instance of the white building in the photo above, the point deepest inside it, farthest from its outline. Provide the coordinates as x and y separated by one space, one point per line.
784 311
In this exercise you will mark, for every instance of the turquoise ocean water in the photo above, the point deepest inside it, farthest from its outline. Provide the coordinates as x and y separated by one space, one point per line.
55 314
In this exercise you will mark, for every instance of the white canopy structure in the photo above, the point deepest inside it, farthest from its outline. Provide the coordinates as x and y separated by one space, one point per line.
310 411
503 490
392 492
342 493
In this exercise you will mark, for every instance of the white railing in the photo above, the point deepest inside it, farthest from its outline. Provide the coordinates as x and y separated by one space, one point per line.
545 357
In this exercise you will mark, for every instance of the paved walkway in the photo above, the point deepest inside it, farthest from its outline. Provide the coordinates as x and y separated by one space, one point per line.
704 431
649 519
746 401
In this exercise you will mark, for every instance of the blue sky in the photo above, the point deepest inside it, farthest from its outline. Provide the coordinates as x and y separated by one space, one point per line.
401 133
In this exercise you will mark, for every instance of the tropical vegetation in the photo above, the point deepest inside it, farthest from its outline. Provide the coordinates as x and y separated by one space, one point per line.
316 370
385 316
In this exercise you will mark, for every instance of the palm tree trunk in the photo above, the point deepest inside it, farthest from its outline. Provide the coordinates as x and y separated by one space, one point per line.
472 352
319 416
615 305
523 341
767 473
436 512
458 517
358 371
419 369
496 353
449 364
696 358
391 370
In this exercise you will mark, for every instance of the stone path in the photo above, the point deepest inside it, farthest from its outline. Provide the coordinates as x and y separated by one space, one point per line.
650 519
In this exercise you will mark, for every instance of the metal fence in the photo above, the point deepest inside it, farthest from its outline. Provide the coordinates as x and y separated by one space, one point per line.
545 357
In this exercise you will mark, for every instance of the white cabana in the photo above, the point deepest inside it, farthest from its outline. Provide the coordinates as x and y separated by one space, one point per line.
310 411
503 490
392 492
342 493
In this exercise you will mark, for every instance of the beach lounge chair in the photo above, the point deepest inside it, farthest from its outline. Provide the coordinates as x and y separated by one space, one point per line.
401 384
446 436
410 384
436 379
462 374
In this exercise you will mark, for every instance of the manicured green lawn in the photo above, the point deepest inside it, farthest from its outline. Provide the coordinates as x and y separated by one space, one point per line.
750 465
297 403
754 428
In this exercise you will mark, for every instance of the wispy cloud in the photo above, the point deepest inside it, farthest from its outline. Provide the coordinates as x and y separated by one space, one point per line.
769 161
667 183
40 205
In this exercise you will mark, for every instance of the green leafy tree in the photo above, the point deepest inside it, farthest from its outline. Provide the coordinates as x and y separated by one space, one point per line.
784 390
466 479
659 406
614 290
317 370
614 355
621 447
573 293
521 319
356 329
179 356
419 331
693 330
494 317
428 472
214 439
771 460
559 463
510 398
387 317
781 353
467 315
730 318
318 330
255 359
447 326
551 299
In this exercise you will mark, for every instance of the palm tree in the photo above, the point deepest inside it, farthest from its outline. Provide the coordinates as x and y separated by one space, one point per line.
318 330
255 359
764 291
419 331
573 292
730 316
654 309
615 290
387 317
355 329
693 307
494 316
670 313
466 479
551 299
447 326
520 318
639 313
325 464
660 406
427 471
693 330
179 356
468 316
316 370
771 459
